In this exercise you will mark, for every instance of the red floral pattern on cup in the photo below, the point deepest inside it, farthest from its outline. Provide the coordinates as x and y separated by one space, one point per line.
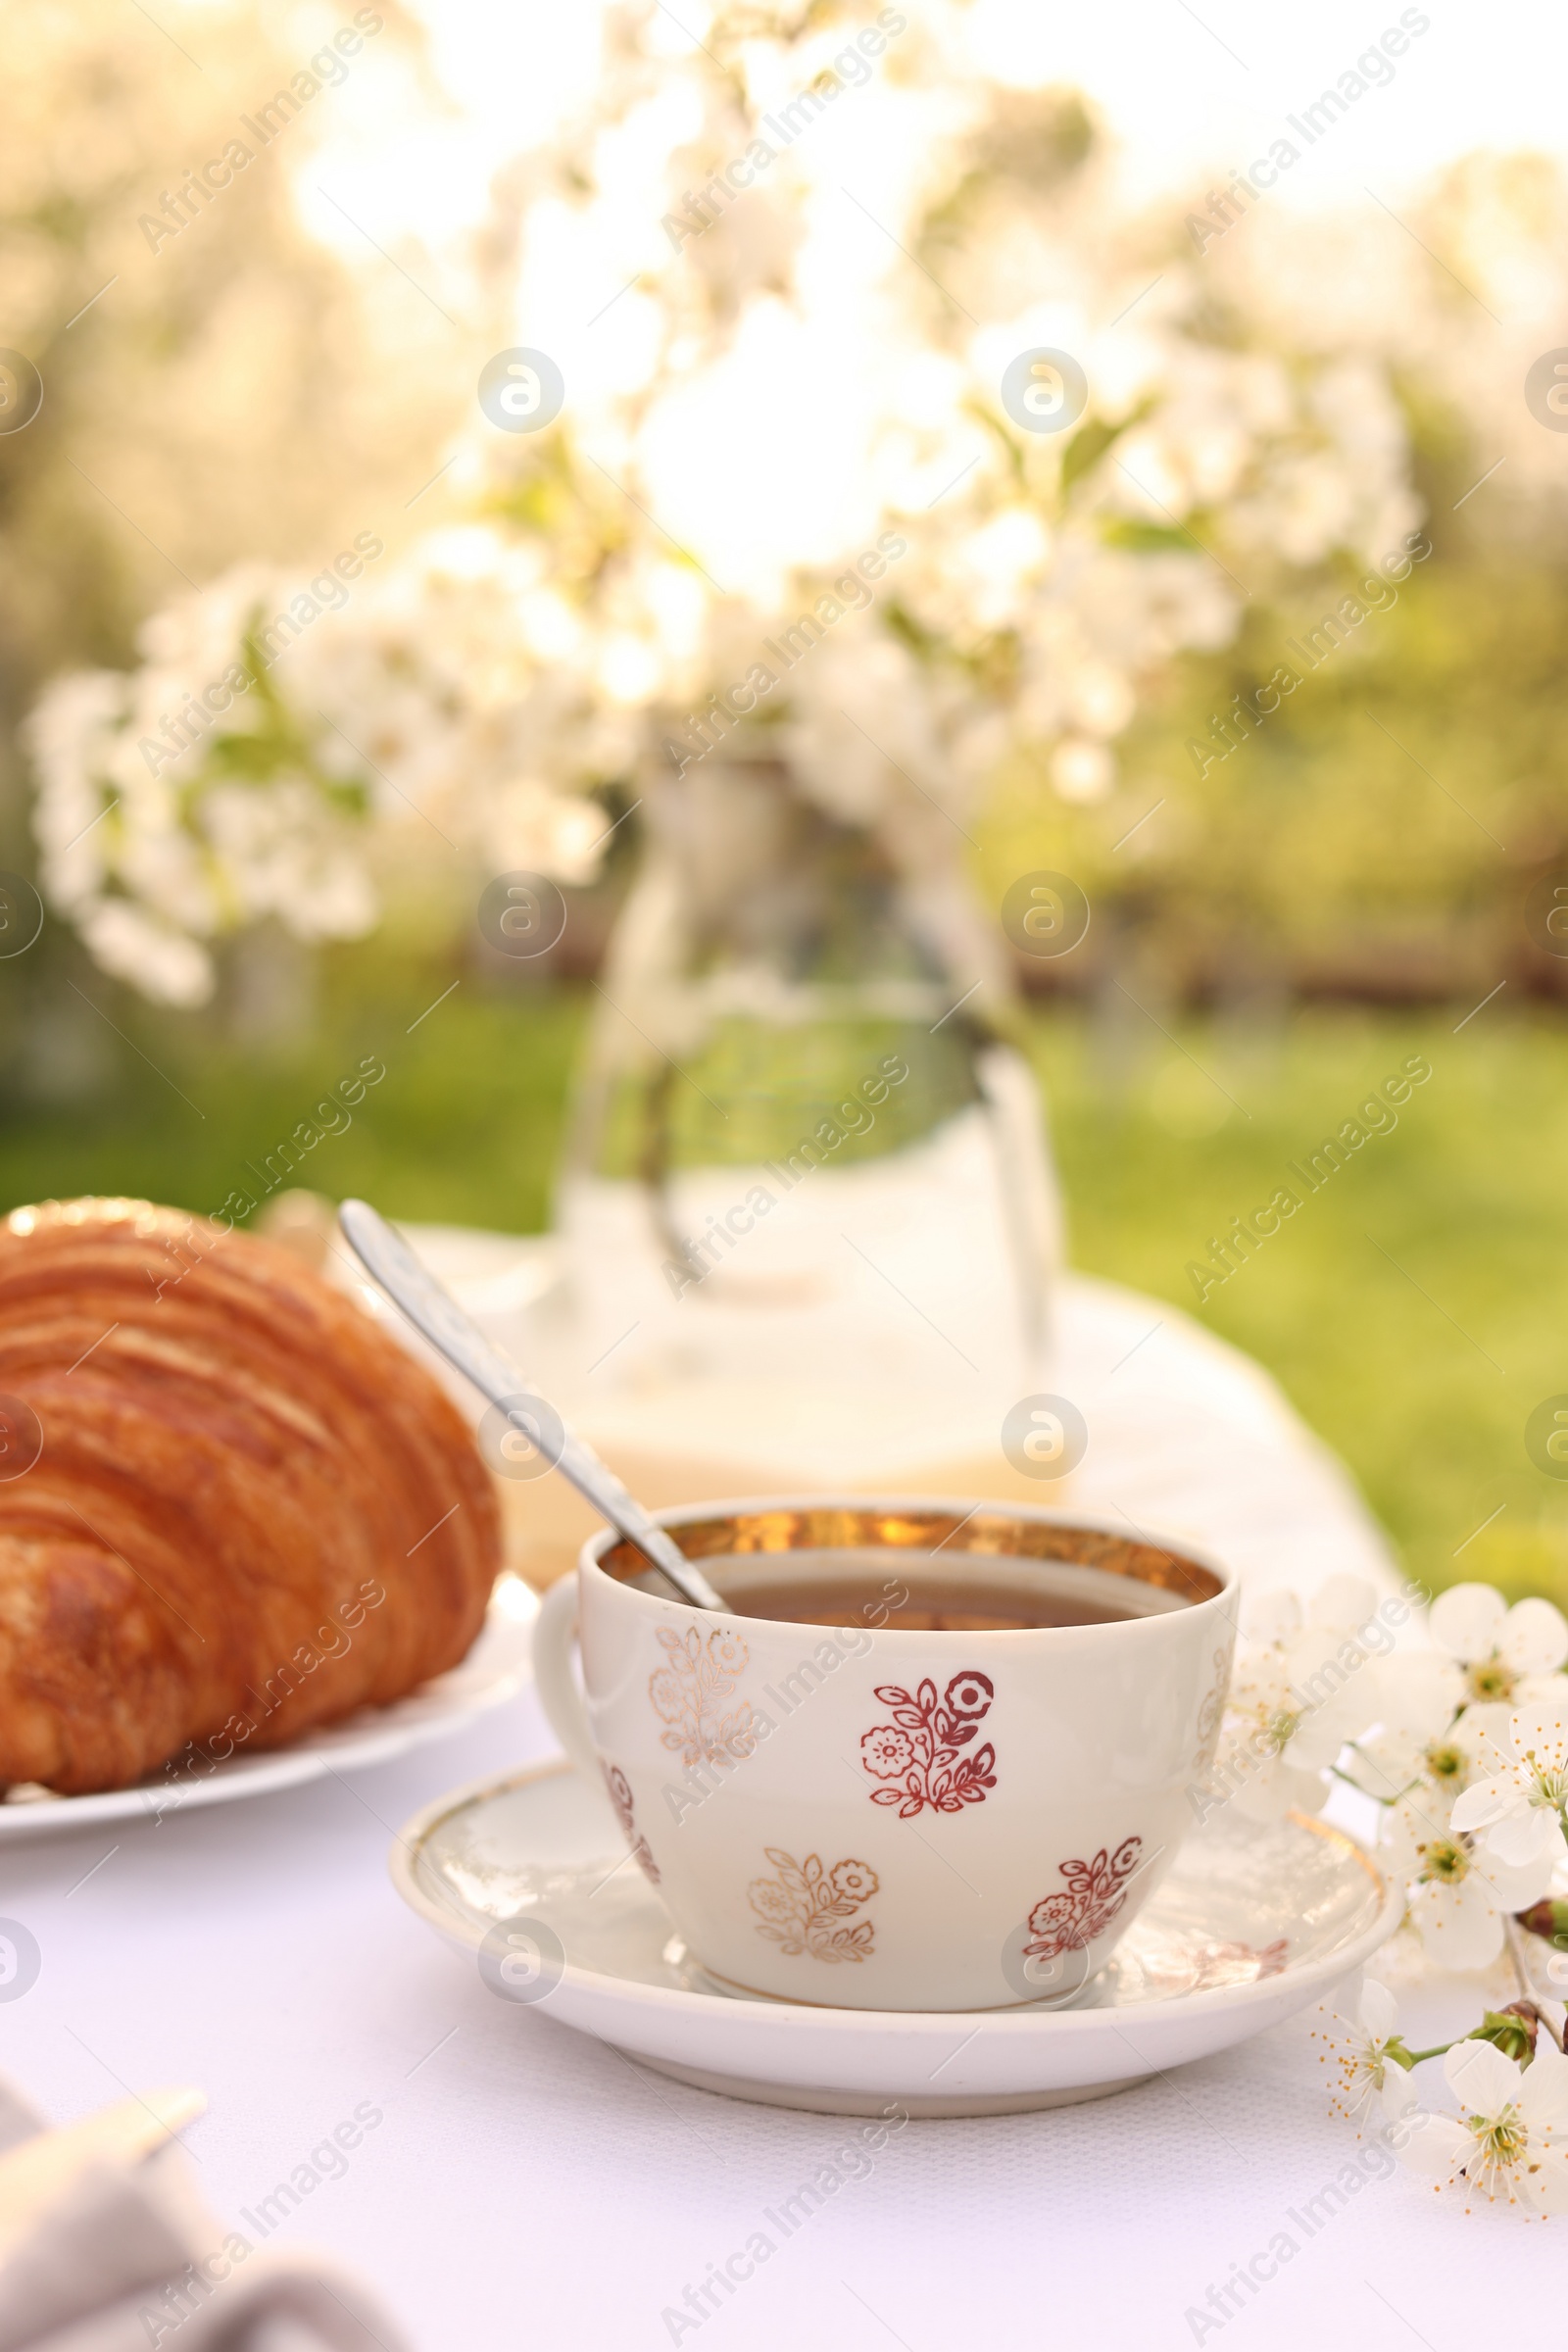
798 1908
620 1798
686 1692
920 1752
1096 1892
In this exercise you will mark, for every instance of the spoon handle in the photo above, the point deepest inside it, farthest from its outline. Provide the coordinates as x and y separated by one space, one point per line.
434 1312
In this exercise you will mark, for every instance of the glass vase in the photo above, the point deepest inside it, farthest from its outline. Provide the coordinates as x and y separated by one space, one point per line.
806 1200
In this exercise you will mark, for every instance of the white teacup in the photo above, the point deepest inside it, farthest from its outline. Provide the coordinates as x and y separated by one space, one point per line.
903 1797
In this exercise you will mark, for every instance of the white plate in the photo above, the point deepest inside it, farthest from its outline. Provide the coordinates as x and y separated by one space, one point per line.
1251 1924
497 1666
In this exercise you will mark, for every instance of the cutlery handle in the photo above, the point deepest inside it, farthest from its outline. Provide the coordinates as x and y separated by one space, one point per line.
433 1310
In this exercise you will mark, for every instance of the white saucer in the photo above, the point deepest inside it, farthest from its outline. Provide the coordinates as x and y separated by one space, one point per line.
1251 1924
497 1666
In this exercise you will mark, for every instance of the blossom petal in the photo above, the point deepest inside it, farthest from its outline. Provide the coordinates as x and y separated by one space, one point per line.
1484 1732
1535 1636
1399 2094
1332 1678
1420 1691
1466 1620
1537 1691
1544 2185
1542 1731
1459 1923
1437 2146
1487 1801
1316 1741
1482 2078
1544 2094
1514 1884
1378 2010
1386 1766
1523 1841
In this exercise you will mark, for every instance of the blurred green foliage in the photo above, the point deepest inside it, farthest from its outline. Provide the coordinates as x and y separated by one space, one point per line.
465 1128
1412 1309
1376 833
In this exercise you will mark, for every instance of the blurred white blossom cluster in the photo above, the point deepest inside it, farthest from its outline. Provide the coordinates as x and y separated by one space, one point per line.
282 738
783 268
1463 1742
1469 311
786 370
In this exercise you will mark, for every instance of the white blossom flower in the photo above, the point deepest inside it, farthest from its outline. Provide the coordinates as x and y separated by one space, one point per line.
1460 1897
1302 1687
1510 2141
1365 2055
1522 1809
1264 1764
1418 1741
1507 1654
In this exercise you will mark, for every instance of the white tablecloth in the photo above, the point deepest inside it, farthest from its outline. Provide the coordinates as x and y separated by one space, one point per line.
524 2186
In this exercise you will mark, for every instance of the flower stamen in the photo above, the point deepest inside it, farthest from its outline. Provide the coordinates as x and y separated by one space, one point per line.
1489 1680
1445 1859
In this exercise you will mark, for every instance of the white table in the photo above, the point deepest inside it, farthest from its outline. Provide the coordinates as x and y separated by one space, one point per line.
527 2188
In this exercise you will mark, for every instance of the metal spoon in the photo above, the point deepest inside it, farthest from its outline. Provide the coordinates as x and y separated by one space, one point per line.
434 1312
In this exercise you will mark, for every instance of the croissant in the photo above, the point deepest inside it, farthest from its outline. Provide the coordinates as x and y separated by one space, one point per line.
231 1508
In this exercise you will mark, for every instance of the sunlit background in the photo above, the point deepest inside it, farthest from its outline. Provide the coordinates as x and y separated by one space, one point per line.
1309 394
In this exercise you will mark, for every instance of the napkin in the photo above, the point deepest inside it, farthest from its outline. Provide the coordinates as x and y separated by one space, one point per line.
121 2255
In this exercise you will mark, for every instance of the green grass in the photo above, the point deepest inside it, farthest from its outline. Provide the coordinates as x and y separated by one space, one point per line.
464 1127
1413 1308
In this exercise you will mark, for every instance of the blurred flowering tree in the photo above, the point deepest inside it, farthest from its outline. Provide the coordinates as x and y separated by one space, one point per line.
783 274
1379 829
217 384
212 378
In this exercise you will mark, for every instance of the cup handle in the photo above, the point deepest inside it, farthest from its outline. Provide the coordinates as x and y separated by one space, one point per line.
554 1629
